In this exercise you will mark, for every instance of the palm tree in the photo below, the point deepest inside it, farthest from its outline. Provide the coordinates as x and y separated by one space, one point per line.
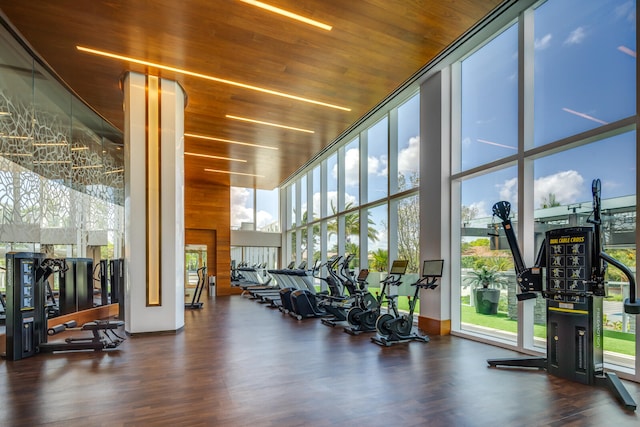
379 260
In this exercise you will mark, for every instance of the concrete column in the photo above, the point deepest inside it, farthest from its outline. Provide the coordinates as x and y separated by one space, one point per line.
435 212
154 204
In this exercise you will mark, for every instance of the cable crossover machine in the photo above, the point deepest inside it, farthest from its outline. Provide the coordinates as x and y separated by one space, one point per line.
574 291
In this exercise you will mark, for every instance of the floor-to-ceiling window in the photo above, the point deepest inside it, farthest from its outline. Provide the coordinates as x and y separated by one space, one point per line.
546 105
363 195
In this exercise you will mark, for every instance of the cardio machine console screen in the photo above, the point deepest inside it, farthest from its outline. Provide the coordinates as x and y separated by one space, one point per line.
362 276
432 268
399 266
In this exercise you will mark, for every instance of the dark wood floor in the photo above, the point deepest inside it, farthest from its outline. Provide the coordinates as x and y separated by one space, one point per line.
238 363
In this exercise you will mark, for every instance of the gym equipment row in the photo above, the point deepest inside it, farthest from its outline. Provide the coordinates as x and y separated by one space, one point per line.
574 291
347 299
26 315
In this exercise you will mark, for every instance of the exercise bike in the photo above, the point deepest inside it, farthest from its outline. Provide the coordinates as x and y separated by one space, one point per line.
364 318
393 327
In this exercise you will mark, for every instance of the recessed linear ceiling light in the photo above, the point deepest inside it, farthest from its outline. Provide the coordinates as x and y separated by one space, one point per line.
233 173
215 157
4 113
50 144
114 171
211 138
244 119
207 77
287 14
84 147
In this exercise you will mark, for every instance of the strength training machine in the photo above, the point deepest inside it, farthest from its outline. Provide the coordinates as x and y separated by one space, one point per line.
574 290
26 323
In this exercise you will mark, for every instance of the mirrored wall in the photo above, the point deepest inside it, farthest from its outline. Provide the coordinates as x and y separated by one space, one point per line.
61 165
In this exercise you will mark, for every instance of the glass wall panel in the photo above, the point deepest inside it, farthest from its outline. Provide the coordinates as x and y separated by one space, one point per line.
487 272
585 65
377 246
332 186
267 210
242 208
408 232
332 237
293 208
303 200
352 236
489 103
562 198
408 155
316 194
377 160
352 174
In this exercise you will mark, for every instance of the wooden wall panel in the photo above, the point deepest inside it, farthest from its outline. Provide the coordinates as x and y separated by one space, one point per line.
207 207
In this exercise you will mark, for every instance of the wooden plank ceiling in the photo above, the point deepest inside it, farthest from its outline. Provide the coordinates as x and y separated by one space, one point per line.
372 48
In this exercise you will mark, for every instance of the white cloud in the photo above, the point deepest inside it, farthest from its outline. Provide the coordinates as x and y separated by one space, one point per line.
351 167
509 191
566 186
263 218
543 43
409 157
480 208
332 200
377 165
576 36
239 211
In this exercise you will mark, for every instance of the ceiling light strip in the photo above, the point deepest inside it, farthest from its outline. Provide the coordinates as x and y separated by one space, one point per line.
244 119
208 156
211 138
288 14
207 77
234 173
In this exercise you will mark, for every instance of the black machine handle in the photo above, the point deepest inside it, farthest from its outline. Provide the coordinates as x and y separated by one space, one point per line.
631 305
502 210
529 280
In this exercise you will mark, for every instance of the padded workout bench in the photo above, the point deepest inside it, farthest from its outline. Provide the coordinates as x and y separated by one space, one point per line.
103 337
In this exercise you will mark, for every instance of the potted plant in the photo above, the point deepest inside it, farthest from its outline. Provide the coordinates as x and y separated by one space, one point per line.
486 283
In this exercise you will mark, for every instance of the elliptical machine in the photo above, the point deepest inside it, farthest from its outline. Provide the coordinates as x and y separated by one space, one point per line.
574 291
338 305
366 309
393 327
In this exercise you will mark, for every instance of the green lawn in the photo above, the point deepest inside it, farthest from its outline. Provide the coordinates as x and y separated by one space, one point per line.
614 341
